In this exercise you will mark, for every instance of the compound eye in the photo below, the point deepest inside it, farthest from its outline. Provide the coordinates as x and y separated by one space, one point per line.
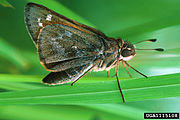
126 53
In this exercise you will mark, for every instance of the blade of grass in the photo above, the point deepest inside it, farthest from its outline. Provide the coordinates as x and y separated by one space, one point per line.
20 82
20 78
43 112
5 3
98 92
12 54
118 109
56 112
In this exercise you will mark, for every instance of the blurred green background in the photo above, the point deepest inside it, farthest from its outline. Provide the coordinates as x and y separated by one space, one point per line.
131 20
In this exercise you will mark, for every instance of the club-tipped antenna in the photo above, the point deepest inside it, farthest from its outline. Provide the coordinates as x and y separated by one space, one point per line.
156 49
149 40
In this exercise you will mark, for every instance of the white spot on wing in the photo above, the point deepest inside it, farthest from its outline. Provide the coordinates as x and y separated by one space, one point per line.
48 18
56 46
53 39
101 52
60 36
75 47
39 22
67 33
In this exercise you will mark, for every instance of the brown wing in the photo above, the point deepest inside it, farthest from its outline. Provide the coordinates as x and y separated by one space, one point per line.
38 16
68 75
61 47
62 43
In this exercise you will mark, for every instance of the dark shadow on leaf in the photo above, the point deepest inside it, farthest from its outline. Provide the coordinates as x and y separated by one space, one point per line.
96 117
4 90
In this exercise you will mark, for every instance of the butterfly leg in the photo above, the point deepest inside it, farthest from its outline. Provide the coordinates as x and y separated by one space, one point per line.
86 71
108 74
135 69
75 81
80 77
117 69
126 69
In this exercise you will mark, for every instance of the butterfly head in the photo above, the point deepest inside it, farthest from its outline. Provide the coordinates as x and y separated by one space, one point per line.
127 50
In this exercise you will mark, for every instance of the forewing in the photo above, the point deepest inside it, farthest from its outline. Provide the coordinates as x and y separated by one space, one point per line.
38 16
62 43
68 75
61 47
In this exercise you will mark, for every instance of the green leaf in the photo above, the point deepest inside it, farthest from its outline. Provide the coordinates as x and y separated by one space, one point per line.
97 92
5 3
68 112
119 110
11 54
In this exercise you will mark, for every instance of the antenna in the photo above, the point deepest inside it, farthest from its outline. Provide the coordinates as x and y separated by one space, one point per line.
149 40
156 49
